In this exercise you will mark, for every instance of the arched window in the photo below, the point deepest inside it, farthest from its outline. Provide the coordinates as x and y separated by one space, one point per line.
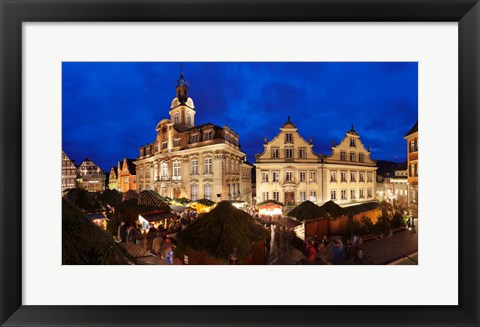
175 119
189 120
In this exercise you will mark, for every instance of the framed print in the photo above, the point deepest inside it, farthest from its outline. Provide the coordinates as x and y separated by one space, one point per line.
145 103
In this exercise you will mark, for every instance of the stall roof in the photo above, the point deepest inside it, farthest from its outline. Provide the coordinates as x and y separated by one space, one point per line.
96 216
156 216
356 209
269 203
288 222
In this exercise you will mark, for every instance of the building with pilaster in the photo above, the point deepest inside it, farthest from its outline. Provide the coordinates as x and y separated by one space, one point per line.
193 161
90 177
288 170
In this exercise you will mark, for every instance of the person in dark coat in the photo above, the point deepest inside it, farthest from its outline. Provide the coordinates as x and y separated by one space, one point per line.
122 232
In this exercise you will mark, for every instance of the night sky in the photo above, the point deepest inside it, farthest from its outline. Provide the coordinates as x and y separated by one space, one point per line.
111 109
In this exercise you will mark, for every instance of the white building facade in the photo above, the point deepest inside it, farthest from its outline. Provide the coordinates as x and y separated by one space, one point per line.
290 172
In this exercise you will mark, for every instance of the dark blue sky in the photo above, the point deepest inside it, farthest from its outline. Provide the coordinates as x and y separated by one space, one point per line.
111 109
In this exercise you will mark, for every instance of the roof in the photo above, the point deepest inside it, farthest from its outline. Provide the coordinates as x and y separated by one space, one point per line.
352 131
269 202
414 129
363 207
96 216
288 123
221 233
288 222
149 197
115 170
131 166
333 209
158 215
388 168
308 210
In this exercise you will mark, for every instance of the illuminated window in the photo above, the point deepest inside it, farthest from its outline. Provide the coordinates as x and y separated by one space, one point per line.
275 176
289 176
343 156
194 138
276 196
344 194
352 143
265 196
176 142
333 176
194 167
208 191
352 194
369 177
264 176
353 177
288 153
207 136
360 157
333 194
302 153
303 196
343 176
275 153
313 176
208 166
352 156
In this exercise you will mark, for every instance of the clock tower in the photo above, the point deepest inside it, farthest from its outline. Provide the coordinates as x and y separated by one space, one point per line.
182 110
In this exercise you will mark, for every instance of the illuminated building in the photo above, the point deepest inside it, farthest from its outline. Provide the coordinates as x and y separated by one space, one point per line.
113 178
193 161
69 173
127 176
288 171
412 166
90 177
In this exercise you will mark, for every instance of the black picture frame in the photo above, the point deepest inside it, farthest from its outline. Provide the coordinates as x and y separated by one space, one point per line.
14 13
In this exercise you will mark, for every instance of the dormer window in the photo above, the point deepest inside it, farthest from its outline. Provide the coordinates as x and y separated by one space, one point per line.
343 156
194 138
175 119
207 136
360 157
352 143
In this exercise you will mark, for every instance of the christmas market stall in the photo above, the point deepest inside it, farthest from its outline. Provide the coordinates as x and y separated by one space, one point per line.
338 221
202 205
370 210
314 220
98 218
270 210
225 235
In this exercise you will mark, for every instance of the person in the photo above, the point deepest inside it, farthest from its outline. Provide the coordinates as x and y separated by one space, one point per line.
169 258
157 244
337 251
267 246
122 232
310 252
132 235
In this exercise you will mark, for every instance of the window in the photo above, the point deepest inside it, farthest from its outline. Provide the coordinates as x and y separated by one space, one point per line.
164 171
313 176
352 194
176 169
194 192
343 176
208 166
415 170
207 136
303 176
333 194
302 153
265 196
313 196
362 195
352 143
276 196
360 157
227 166
177 142
343 155
333 176
194 167
288 153
288 138
362 177
369 177
164 144
344 194
414 146
414 196
264 176
353 176
194 138
289 176
275 176
352 156
208 191
189 120
175 119
303 196
275 153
